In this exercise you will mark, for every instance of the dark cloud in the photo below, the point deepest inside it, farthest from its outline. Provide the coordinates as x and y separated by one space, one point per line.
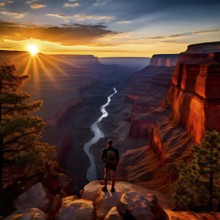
73 34
183 34
165 10
126 9
207 31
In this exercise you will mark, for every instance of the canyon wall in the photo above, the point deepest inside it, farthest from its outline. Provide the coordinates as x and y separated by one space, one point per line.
147 89
204 48
136 63
167 60
194 93
78 60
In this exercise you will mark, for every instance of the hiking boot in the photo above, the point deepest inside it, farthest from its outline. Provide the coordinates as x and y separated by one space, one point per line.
112 190
104 189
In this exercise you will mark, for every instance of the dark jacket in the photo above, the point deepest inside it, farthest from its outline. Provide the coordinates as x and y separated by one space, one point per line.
104 155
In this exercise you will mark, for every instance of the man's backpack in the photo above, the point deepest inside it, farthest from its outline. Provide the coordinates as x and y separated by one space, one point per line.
111 158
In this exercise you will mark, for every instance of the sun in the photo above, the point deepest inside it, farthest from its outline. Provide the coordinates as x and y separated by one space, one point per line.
32 49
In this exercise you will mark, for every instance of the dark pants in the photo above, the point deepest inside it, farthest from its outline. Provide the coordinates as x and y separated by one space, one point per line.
106 173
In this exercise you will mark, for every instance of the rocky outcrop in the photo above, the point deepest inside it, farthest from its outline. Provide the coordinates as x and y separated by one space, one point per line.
79 209
127 202
194 95
140 206
130 201
35 197
164 60
27 214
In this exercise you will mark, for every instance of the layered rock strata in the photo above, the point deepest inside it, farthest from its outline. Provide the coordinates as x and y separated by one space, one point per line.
194 94
167 60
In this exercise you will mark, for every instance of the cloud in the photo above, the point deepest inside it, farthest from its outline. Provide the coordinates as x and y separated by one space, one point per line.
207 31
171 36
36 6
100 2
31 1
180 35
63 16
75 34
124 22
13 14
2 4
73 5
83 17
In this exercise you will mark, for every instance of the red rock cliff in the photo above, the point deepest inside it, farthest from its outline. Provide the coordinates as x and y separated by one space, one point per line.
194 94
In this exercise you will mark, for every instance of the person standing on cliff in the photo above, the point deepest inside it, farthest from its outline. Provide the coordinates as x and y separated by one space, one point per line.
110 157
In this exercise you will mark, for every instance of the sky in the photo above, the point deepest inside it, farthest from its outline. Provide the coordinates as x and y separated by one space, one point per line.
108 28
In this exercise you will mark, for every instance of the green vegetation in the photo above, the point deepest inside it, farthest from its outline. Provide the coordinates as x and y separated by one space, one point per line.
198 184
22 154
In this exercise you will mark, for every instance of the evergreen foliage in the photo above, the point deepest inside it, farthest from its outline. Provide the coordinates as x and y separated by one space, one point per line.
22 154
197 187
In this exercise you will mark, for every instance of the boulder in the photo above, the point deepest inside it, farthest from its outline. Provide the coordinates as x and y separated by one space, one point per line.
27 214
141 206
104 202
91 190
113 214
79 209
35 197
137 205
130 199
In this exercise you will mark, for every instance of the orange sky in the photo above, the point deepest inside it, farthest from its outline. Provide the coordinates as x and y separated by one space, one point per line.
108 28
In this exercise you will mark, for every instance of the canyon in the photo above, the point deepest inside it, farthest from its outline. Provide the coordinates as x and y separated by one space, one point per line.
155 117
164 110
158 112
72 89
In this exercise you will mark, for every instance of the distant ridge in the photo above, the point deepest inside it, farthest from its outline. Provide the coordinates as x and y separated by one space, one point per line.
204 47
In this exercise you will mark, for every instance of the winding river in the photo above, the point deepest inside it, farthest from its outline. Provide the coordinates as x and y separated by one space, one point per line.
91 172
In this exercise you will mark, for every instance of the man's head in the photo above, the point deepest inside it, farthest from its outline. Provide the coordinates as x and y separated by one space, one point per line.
109 142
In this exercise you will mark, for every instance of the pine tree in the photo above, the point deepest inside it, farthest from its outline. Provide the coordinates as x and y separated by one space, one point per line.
198 183
22 154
